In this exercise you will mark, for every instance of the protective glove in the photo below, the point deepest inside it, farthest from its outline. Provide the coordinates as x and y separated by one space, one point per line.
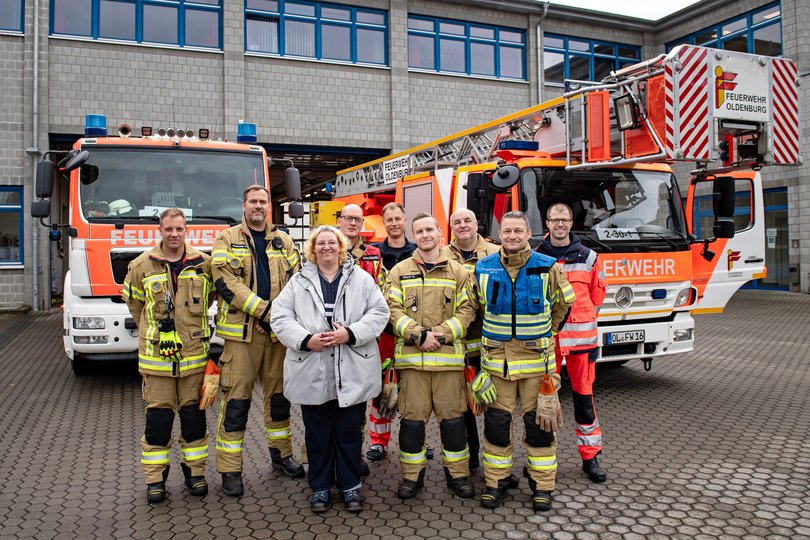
469 375
169 344
389 395
385 365
484 391
210 385
549 411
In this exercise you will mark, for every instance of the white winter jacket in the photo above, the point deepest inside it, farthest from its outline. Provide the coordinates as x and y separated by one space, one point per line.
348 373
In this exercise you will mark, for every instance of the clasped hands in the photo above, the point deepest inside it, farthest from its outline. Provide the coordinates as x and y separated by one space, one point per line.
431 342
324 340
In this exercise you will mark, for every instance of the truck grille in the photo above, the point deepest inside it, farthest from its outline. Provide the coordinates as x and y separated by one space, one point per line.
119 260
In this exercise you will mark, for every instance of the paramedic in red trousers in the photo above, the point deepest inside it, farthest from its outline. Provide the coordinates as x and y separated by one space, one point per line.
168 291
367 257
251 264
578 340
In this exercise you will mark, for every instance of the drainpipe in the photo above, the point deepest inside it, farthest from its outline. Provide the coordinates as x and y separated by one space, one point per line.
540 78
35 153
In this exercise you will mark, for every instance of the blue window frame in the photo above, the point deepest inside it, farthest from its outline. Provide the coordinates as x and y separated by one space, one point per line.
317 30
11 15
182 23
450 46
568 57
756 32
11 225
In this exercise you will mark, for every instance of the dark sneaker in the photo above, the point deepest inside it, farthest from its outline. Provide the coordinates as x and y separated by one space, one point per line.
156 492
594 470
288 465
352 500
232 484
319 502
375 452
541 501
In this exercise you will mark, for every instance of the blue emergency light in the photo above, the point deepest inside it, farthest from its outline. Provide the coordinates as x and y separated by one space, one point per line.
95 125
658 294
246 133
531 146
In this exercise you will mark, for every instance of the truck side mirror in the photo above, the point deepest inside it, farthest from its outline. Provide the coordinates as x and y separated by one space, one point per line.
504 178
292 179
40 209
44 182
476 198
295 210
723 206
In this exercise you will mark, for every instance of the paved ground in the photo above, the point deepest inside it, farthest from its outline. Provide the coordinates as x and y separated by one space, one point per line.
710 444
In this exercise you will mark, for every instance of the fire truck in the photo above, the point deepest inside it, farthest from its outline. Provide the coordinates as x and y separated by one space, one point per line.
606 150
118 188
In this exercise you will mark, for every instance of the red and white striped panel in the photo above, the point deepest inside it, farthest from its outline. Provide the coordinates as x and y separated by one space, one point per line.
785 112
694 99
669 112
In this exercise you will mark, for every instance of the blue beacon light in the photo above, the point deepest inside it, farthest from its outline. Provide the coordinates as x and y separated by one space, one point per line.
95 125
246 133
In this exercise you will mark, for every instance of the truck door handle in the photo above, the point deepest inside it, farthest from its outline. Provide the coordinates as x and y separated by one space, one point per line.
752 260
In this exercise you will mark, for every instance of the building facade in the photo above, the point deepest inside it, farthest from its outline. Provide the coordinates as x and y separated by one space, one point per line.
333 84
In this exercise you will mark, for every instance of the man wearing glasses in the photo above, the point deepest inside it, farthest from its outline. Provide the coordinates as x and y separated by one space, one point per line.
578 342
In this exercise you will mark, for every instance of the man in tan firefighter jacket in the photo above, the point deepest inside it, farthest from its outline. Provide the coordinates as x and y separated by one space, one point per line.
467 248
526 300
432 304
251 264
168 291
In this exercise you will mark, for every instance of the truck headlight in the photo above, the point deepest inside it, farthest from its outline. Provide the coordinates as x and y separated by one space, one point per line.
682 335
90 340
683 297
88 323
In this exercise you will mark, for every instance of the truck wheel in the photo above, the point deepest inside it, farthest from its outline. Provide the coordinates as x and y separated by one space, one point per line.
80 366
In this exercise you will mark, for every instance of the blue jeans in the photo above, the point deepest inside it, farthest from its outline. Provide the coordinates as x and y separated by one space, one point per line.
334 440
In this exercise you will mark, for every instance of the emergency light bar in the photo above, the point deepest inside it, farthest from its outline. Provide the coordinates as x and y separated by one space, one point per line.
246 133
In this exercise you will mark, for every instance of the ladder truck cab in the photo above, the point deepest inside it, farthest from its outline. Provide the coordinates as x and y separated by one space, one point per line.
118 186
606 149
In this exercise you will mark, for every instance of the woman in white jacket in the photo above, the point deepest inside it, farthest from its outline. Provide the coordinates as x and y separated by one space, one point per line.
329 316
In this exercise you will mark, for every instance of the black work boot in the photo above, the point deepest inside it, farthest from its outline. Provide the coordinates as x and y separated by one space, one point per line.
289 465
492 497
594 469
541 500
408 488
196 485
460 486
156 491
232 484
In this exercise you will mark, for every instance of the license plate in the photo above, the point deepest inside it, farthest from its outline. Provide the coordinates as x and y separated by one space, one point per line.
629 336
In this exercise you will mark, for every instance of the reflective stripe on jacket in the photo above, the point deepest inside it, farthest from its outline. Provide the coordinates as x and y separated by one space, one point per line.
369 259
151 298
234 273
584 272
437 300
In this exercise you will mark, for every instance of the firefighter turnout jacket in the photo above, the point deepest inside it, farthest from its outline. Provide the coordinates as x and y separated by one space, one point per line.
234 275
153 295
472 340
526 299
369 259
437 300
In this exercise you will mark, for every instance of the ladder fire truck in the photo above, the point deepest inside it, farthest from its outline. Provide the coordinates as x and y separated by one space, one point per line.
118 188
605 149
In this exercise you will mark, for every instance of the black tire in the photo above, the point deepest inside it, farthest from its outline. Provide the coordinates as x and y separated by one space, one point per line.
81 367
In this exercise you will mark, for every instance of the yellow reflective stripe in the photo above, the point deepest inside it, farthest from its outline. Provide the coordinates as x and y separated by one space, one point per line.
417 459
293 258
194 362
273 434
461 297
396 294
483 279
452 457
154 363
155 457
251 304
543 463
440 282
198 452
568 294
401 324
498 462
229 446
455 327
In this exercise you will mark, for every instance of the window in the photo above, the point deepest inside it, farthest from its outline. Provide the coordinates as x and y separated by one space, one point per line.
317 30
756 32
11 225
183 23
11 15
583 59
469 49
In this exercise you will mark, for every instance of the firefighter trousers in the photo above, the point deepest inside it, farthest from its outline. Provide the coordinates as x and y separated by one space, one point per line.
240 365
582 373
541 446
164 397
442 393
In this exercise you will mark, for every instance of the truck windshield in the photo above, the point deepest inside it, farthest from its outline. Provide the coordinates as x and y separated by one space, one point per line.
614 209
138 184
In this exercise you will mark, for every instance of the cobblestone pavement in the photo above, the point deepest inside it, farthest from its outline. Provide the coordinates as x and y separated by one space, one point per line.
708 444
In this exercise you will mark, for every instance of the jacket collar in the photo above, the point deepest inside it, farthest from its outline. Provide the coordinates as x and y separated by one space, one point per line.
570 252
442 261
518 260
480 246
268 228
191 256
